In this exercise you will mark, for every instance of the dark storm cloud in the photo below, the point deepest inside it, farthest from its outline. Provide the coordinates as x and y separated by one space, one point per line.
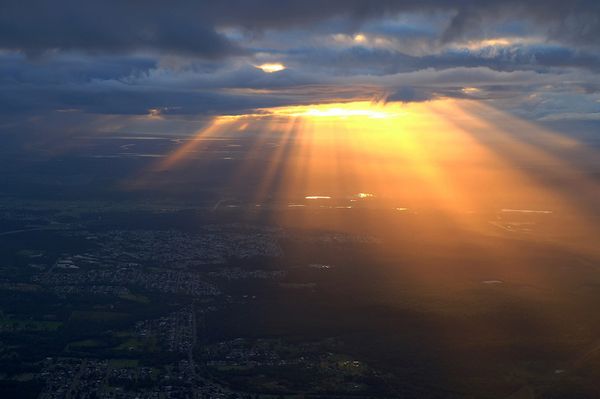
36 26
382 61
14 68
118 99
410 94
191 27
576 21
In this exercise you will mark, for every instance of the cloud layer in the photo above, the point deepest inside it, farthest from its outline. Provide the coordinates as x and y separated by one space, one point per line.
196 58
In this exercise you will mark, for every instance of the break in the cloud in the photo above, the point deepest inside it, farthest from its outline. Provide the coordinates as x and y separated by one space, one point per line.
188 59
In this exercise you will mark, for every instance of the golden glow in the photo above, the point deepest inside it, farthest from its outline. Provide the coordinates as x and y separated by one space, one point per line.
271 67
471 90
459 157
499 42
360 38
358 110
496 42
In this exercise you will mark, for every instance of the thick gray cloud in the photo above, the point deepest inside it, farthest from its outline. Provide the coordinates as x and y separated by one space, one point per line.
381 61
36 26
191 27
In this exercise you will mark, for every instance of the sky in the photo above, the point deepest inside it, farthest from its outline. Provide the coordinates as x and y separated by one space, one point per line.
166 66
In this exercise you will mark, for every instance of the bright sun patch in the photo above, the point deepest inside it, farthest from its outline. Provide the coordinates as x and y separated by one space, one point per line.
357 109
271 67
